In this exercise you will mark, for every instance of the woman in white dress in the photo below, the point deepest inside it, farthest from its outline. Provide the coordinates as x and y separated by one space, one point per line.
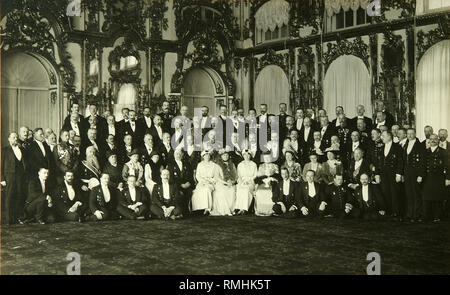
224 195
206 175
266 180
246 173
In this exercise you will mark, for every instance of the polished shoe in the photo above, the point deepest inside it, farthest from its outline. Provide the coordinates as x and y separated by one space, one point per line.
40 221
436 220
24 221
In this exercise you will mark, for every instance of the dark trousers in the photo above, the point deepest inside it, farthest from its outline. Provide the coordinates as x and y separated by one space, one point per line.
391 194
158 212
71 216
288 214
14 196
432 209
127 213
39 210
313 206
185 199
109 214
413 196
365 213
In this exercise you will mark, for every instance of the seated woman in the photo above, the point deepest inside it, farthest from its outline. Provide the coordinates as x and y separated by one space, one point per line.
133 167
224 195
152 173
246 173
294 168
206 174
266 181
331 167
315 166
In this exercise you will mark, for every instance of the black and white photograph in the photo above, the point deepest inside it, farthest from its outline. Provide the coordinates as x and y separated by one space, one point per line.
225 138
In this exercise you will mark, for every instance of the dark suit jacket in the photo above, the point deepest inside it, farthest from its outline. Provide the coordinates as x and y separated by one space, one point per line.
157 197
67 119
143 124
35 190
392 163
290 199
326 138
97 199
125 197
180 177
9 163
303 193
375 201
82 127
353 177
137 134
36 159
61 199
415 161
353 122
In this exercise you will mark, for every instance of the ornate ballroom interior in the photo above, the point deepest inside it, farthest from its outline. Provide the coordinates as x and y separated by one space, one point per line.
309 54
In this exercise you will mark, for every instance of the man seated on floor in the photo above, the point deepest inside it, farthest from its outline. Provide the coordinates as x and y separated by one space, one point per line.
165 199
132 201
369 203
337 199
284 197
310 196
69 205
103 200
39 204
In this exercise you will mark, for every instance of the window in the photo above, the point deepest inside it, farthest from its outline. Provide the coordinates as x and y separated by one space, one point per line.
128 62
277 34
437 5
347 19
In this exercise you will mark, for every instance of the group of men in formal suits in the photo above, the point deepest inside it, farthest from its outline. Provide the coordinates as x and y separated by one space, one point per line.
384 169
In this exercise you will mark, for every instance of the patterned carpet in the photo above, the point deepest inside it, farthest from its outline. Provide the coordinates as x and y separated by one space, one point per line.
227 245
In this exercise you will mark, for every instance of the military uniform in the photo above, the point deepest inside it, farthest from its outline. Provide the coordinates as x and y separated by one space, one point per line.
434 190
336 198
414 167
374 154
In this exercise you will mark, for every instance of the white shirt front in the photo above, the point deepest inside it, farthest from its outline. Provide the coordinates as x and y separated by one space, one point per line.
148 121
286 187
128 148
148 148
387 148
306 134
365 193
111 129
381 124
41 146
358 164
106 193
262 118
166 190
132 191
180 164
159 130
133 125
75 128
443 144
17 152
410 146
402 142
294 145
323 130
311 189
299 123
433 148
317 144
42 185
70 191
355 145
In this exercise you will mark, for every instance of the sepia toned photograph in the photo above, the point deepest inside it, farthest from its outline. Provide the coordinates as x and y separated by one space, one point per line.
225 138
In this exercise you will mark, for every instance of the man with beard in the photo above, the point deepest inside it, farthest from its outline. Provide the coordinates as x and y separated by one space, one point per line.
89 171
13 179
132 201
64 157
375 151
364 132
337 199
23 140
360 110
358 165
69 204
90 141
114 171
369 204
103 201
388 118
146 121
133 128
165 199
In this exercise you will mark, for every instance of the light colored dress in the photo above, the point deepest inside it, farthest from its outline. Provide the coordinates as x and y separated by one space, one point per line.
224 196
206 174
246 172
263 195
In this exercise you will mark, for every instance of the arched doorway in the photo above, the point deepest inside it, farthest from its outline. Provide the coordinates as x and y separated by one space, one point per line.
30 95
272 88
203 87
433 89
347 84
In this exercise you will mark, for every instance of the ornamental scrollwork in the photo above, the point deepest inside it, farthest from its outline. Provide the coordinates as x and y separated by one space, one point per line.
272 58
344 47
428 39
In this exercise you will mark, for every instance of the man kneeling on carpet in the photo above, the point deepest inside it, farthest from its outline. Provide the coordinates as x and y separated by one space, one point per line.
132 201
285 198
69 204
103 200
165 199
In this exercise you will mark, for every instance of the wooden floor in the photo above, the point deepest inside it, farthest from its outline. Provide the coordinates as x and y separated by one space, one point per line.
227 245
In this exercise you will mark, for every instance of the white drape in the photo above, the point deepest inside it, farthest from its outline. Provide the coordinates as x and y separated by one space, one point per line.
334 6
347 83
272 88
126 99
272 14
433 89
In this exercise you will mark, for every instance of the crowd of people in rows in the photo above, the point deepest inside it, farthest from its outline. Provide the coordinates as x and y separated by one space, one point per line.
169 167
